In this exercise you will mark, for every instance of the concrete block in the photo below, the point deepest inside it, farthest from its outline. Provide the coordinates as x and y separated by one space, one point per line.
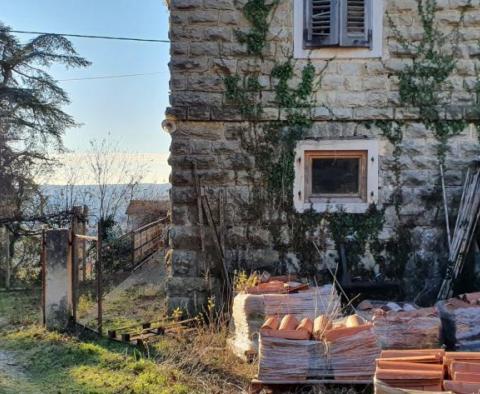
57 310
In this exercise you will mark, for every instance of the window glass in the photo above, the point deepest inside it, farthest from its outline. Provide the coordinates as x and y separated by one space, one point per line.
335 176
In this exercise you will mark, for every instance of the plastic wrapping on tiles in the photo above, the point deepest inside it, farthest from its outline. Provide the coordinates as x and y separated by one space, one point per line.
460 325
250 311
406 330
349 358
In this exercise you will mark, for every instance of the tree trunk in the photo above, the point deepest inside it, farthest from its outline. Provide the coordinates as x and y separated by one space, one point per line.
4 252
11 240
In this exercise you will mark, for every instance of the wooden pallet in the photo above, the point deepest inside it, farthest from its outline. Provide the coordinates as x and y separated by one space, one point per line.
139 334
257 385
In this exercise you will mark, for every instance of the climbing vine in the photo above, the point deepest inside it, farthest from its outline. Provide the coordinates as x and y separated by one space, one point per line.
424 84
394 133
272 143
273 132
257 13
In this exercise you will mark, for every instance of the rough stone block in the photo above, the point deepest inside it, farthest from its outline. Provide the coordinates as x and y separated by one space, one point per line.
57 287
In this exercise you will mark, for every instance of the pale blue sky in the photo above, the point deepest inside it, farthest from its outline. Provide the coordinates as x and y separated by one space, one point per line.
131 109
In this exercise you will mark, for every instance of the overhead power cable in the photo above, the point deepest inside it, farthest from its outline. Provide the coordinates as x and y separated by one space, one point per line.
110 76
93 36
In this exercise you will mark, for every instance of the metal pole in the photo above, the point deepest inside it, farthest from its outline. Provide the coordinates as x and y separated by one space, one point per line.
84 243
445 205
99 277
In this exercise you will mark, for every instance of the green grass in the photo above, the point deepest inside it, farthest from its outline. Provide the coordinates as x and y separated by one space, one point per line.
130 307
63 364
58 363
51 362
20 307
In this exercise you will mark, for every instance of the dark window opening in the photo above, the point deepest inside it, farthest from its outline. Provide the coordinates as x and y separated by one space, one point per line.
336 176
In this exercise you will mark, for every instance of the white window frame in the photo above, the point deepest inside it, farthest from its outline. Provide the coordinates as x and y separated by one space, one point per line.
376 51
303 203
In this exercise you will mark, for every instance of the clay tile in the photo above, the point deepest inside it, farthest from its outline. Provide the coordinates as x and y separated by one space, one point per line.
306 325
289 322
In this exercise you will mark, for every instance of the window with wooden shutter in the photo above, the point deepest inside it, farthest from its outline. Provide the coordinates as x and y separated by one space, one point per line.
341 23
321 23
355 20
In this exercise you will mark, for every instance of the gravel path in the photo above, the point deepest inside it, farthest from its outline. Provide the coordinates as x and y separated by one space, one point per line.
12 377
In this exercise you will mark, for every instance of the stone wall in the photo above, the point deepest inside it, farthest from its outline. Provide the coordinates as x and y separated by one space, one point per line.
206 133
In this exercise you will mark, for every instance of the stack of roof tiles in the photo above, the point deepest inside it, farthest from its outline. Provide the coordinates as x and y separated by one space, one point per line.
411 369
250 311
461 322
343 350
463 372
428 370
407 330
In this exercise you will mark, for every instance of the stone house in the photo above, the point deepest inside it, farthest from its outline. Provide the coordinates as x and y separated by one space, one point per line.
390 104
142 212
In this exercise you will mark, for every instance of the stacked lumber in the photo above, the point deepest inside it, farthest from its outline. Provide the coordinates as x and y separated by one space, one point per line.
344 350
406 330
461 322
250 311
468 218
421 370
463 370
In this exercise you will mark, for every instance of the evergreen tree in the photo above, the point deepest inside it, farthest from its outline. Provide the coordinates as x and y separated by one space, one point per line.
32 122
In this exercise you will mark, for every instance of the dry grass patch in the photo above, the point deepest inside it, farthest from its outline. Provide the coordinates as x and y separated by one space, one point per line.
201 354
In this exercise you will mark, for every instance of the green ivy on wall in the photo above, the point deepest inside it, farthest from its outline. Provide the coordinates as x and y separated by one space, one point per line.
272 143
424 84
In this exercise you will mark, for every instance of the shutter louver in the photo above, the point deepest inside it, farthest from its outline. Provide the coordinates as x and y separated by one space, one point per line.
356 22
321 23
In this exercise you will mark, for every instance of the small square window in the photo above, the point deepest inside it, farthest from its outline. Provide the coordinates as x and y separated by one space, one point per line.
336 175
327 178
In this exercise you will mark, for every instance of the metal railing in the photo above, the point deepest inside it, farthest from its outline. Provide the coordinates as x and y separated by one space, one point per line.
114 260
147 240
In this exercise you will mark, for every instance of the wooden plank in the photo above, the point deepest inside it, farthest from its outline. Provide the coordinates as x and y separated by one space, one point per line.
85 237
312 381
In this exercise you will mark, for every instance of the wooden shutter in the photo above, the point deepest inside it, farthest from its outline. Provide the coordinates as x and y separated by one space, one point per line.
321 23
356 23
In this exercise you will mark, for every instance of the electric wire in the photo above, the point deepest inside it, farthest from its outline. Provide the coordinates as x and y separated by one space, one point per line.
110 76
92 36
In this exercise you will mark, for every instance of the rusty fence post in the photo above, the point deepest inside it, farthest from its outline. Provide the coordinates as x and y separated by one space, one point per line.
99 277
